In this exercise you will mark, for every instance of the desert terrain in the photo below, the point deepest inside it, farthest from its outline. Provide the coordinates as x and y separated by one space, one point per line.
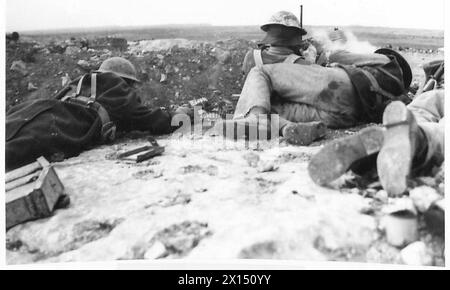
205 198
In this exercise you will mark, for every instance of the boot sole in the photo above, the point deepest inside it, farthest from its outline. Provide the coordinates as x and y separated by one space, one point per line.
395 157
335 158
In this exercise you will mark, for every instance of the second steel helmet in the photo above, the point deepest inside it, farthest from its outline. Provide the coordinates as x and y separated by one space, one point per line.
404 65
284 18
120 67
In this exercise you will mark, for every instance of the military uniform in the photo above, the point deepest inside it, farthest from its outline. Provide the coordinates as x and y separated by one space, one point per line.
428 110
66 127
355 91
270 55
281 43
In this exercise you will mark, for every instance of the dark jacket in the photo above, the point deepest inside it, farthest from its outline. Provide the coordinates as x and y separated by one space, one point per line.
52 127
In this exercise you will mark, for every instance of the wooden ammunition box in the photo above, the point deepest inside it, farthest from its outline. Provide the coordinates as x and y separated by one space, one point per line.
32 192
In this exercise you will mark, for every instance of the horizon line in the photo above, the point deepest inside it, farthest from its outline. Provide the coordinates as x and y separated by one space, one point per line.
121 27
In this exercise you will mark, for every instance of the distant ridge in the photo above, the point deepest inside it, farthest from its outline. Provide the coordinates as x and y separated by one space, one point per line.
119 29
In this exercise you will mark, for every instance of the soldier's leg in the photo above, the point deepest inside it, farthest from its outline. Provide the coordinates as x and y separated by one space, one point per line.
338 156
299 124
22 150
320 94
428 107
414 140
349 58
323 89
404 146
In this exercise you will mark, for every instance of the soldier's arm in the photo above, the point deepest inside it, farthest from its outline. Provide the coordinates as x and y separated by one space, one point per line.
248 63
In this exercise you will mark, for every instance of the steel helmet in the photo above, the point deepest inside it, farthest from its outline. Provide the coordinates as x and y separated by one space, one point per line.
404 65
284 18
120 67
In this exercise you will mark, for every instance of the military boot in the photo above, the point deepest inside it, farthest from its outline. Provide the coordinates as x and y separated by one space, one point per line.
404 142
336 158
303 133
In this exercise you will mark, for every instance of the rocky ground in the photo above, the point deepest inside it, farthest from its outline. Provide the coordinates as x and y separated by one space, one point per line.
202 199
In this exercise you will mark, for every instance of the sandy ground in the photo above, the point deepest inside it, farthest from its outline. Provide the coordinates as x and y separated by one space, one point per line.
203 199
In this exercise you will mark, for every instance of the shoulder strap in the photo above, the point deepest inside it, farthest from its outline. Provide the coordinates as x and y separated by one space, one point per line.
93 86
257 55
80 84
292 58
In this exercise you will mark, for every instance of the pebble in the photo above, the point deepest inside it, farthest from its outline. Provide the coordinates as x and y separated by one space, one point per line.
416 254
84 64
19 66
267 166
252 159
423 197
31 87
156 251
382 196
72 50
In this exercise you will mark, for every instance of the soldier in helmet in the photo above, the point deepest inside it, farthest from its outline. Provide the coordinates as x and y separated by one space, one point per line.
282 43
86 113
306 98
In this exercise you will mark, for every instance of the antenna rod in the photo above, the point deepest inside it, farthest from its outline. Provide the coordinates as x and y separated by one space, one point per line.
301 16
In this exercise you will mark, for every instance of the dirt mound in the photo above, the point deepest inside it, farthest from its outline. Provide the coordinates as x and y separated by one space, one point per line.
143 46
173 72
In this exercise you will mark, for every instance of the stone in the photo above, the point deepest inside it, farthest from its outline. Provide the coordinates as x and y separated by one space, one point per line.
72 50
31 87
223 56
252 159
267 166
399 206
416 254
382 196
84 64
156 251
19 66
163 78
423 197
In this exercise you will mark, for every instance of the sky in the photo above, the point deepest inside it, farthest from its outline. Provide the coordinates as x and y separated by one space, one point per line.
22 15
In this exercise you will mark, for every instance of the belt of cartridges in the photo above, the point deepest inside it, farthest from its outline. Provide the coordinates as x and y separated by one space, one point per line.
108 131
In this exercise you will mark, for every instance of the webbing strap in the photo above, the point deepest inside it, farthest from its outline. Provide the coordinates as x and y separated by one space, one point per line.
397 80
292 58
257 55
93 86
80 83
108 130
376 87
